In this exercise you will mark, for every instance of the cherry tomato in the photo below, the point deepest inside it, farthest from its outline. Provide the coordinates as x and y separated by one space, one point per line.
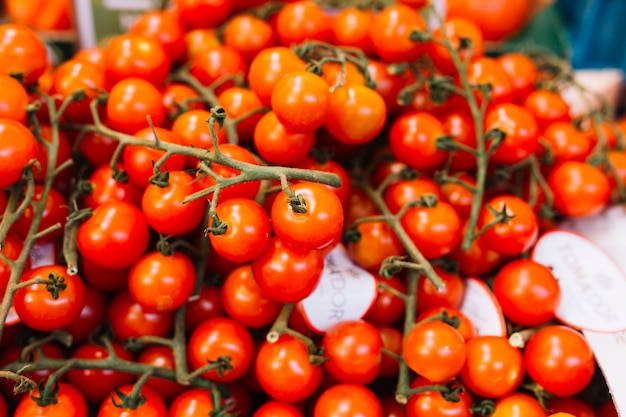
388 307
104 188
207 305
247 232
527 292
496 19
479 259
277 409
458 196
115 236
12 249
461 127
520 129
579 189
212 64
244 301
517 405
221 337
55 211
249 35
239 102
268 67
451 295
165 27
547 107
466 327
93 56
333 167
128 319
357 114
279 145
493 367
437 404
390 33
161 283
522 71
42 15
97 149
193 130
392 342
566 143
42 310
413 141
97 384
377 242
436 231
485 70
403 192
17 148
301 101
152 406
130 101
91 316
560 360
571 405
301 21
514 236
388 85
73 76
161 357
434 350
69 403
344 400
456 29
353 351
180 98
14 99
204 13
163 207
104 279
275 268
22 52
350 27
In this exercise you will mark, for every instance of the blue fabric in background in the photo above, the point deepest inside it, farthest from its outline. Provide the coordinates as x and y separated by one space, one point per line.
596 30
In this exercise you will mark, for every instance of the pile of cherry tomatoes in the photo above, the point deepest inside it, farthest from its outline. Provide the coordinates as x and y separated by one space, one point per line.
171 195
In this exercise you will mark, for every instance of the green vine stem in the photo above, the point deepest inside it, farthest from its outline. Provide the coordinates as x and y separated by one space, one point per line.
410 302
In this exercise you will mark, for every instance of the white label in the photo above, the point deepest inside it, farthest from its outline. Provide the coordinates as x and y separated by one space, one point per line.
592 284
12 317
482 308
42 254
345 292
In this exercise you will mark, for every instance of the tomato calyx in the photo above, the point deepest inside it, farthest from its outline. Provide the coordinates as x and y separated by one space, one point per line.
131 401
444 316
218 227
484 408
54 284
47 393
450 392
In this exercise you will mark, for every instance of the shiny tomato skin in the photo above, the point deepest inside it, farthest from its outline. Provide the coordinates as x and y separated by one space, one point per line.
560 360
277 409
73 76
204 13
207 305
91 316
36 306
104 189
153 406
275 268
14 99
165 27
521 129
493 367
390 31
579 189
17 148
22 52
347 400
115 236
162 283
70 403
130 101
377 242
268 67
436 231
301 21
161 357
412 140
318 228
127 319
248 230
466 327
519 404
435 404
289 358
278 145
221 337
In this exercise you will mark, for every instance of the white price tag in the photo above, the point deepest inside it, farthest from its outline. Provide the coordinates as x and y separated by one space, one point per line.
345 292
482 308
606 235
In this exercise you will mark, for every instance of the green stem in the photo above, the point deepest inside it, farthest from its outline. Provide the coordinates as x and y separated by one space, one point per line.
404 375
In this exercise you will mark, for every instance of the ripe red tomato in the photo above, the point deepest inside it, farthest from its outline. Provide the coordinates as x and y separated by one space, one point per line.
350 27
413 141
496 19
244 301
190 402
392 341
571 405
435 350
493 367
461 127
212 64
128 319
301 21
269 67
436 231
388 85
152 406
17 148
70 403
279 145
161 283
522 71
519 404
41 15
459 196
566 143
512 237
105 189
277 409
91 316
207 305
347 400
357 114
179 98
403 192
104 279
289 358
527 292
239 102
579 189
520 128
130 101
73 76
318 228
161 357
163 207
466 327
165 27
301 101
275 268
93 56
388 307
547 107
249 35
115 236
377 242
485 70
390 31
455 29
436 404
97 149
22 53
450 295
353 351
333 167
97 384
40 309
137 56
55 211
560 360
14 99
479 259
221 337
139 160
248 230
204 13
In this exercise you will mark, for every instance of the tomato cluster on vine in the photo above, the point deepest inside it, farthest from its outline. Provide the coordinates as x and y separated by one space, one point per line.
170 198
